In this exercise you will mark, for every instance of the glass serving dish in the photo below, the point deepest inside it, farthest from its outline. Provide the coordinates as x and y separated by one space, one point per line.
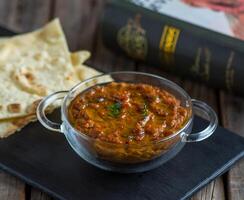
127 158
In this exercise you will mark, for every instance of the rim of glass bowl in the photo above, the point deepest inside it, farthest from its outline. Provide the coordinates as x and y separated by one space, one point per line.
64 108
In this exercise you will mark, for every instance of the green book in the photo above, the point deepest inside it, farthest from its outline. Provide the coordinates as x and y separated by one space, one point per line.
192 39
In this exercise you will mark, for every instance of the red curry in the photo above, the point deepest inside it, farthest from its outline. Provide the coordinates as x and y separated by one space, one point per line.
126 113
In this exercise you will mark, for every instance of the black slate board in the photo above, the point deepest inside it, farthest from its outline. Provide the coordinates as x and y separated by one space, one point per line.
44 159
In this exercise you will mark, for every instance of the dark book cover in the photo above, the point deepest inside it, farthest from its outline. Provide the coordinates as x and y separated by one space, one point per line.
192 39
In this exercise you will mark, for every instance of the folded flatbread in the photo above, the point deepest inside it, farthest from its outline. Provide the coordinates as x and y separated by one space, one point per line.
12 125
32 66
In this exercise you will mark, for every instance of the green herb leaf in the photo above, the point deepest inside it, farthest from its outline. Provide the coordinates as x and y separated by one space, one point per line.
114 109
145 110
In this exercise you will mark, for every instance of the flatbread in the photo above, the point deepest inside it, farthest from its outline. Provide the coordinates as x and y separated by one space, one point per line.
32 66
82 71
79 57
11 126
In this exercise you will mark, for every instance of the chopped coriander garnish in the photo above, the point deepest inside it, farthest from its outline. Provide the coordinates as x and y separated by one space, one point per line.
114 109
145 110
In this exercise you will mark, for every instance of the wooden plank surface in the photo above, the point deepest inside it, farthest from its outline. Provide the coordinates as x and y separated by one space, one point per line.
24 15
232 109
36 194
215 190
80 19
21 16
11 188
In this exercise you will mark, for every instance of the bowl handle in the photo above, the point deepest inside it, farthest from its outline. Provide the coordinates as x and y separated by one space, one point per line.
209 130
40 111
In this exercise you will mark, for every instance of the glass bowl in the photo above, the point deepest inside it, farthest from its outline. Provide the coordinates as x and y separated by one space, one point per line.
127 158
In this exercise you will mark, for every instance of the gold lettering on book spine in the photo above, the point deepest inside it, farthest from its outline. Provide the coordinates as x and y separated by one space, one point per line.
169 39
201 65
132 39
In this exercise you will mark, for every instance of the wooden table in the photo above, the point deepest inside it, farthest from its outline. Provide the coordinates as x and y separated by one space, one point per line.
80 20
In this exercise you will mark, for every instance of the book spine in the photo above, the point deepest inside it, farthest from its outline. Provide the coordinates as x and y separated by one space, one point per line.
178 47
